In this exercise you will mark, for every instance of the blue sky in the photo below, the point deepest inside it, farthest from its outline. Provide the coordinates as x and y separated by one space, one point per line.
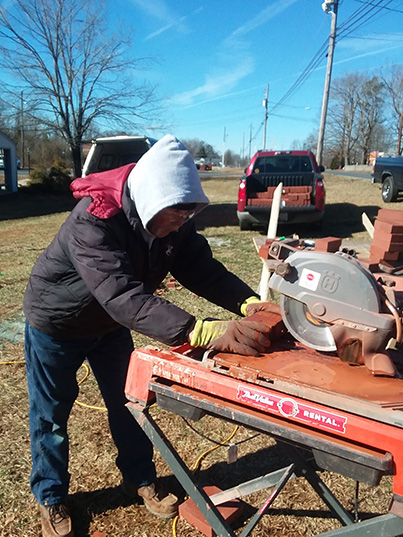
213 61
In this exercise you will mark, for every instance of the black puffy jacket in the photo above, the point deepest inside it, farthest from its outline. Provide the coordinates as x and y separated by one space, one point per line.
98 274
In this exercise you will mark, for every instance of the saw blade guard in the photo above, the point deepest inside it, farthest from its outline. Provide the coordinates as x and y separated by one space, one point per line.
323 289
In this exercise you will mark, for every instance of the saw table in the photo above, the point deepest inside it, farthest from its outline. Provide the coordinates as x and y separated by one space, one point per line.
347 420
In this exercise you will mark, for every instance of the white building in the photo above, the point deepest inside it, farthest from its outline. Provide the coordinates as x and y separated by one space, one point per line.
8 155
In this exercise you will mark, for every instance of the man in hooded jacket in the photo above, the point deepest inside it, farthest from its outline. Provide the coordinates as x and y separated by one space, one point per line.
92 285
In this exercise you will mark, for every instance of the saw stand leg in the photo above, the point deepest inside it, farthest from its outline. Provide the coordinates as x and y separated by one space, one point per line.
304 469
202 501
388 525
181 472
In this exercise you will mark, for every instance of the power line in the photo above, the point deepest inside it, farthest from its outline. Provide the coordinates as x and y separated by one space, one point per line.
385 7
303 76
370 38
354 17
360 20
352 23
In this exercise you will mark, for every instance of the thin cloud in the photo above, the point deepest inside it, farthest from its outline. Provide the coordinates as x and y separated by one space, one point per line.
160 10
214 86
366 46
223 96
370 42
262 17
177 24
366 54
347 46
234 60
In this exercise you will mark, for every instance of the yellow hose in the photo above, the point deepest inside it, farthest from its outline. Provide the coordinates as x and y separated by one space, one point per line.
93 407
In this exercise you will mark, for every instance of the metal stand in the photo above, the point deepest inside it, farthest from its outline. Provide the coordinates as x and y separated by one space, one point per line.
388 525
355 430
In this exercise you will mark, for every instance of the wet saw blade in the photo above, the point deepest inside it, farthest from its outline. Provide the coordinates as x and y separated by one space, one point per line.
304 327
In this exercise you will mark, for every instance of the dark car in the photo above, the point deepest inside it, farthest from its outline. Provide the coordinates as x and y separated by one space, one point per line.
303 194
389 172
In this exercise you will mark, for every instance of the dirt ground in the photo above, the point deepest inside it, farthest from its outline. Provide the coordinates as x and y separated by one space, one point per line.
99 508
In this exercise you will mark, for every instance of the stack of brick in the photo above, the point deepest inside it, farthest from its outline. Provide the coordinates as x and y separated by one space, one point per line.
292 196
387 243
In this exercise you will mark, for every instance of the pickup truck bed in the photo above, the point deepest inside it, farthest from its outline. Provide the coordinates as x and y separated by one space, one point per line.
303 194
261 182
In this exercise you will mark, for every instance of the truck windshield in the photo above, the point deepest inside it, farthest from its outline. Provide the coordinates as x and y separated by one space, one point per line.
283 163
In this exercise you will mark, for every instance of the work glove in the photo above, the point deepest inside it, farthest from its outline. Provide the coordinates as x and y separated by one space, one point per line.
240 337
254 304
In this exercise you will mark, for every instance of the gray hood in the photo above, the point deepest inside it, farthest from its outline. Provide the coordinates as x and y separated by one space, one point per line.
164 176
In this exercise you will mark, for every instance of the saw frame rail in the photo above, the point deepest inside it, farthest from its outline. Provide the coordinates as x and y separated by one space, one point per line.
338 440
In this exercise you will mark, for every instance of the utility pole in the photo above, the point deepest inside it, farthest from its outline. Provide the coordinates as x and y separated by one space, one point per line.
223 148
327 8
250 140
265 101
22 131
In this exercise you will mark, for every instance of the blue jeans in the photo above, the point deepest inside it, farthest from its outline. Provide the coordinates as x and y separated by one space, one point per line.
52 365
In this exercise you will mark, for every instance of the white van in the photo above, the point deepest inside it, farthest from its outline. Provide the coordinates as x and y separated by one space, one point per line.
115 151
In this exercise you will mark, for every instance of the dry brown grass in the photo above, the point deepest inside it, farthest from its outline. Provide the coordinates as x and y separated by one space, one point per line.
27 224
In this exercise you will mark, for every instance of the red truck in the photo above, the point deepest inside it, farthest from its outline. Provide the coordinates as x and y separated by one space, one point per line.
303 195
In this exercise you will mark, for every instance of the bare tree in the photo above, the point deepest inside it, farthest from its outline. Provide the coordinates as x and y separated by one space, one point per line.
231 158
7 119
311 142
394 86
71 68
370 114
357 114
345 97
193 145
200 149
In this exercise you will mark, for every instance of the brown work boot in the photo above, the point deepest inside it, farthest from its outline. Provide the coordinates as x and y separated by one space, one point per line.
56 521
158 502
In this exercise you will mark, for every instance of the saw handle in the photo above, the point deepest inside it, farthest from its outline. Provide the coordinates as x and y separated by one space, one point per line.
397 318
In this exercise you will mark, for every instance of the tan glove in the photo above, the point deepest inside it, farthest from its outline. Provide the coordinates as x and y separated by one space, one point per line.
240 337
254 304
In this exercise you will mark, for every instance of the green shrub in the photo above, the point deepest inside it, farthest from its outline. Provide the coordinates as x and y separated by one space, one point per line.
336 162
55 180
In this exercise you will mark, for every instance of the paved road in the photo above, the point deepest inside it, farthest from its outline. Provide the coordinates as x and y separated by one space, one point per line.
217 173
237 172
24 172
361 175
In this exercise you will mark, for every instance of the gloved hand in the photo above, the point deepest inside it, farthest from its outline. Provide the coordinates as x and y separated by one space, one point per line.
254 304
240 337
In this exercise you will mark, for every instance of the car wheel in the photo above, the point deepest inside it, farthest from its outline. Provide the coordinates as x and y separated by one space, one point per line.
389 191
